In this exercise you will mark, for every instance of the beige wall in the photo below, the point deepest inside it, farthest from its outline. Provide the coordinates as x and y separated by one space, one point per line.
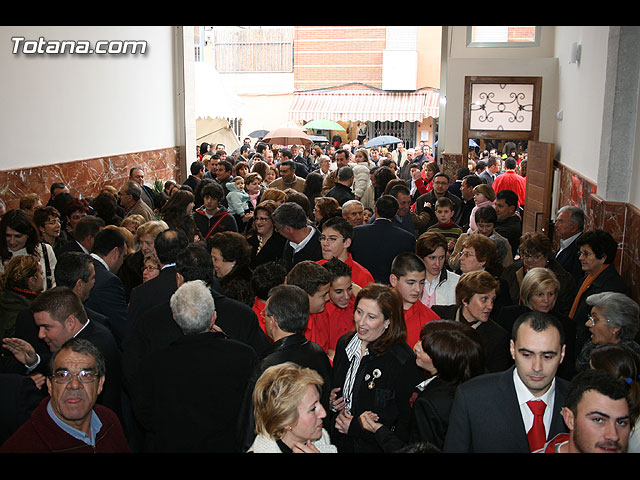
61 108
429 45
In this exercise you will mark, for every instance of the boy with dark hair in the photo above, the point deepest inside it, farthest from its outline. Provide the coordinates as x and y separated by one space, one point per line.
446 226
337 234
263 279
338 311
315 280
408 274
213 217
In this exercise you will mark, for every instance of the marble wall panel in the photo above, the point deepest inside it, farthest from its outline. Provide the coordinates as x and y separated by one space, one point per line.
87 177
622 220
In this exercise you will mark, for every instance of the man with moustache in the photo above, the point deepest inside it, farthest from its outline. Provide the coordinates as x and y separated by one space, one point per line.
518 410
69 420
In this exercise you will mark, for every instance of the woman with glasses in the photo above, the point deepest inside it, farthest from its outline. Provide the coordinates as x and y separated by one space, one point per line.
266 243
614 320
536 250
481 253
476 296
597 252
47 221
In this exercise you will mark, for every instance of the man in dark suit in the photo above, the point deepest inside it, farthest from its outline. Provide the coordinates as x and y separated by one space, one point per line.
498 412
341 191
156 328
462 217
158 290
197 170
84 235
292 223
136 174
457 184
488 175
569 226
189 393
286 318
375 245
509 223
76 271
107 295
59 315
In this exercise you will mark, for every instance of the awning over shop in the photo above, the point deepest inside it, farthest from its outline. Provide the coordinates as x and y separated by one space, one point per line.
365 105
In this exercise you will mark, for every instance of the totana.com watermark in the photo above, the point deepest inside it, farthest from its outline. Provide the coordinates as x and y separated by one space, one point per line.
77 47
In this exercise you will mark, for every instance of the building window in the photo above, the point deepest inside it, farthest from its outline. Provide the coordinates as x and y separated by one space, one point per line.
501 36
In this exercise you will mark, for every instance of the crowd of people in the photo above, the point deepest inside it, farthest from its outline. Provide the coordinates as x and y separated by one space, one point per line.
334 299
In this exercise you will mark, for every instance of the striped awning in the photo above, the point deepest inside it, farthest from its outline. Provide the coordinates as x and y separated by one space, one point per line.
364 105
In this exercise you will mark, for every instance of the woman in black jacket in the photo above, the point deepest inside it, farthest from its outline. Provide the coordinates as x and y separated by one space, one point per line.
374 371
451 353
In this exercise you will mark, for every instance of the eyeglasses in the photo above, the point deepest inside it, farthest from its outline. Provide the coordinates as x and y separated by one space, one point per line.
331 239
582 253
532 256
150 267
261 219
592 320
65 376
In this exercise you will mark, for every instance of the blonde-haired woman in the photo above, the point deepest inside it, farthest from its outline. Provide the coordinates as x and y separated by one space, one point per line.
288 413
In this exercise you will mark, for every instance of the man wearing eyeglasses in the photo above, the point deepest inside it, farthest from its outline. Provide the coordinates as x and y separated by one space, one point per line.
69 420
427 202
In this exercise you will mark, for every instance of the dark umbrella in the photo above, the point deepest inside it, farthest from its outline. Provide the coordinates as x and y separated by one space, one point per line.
258 133
382 140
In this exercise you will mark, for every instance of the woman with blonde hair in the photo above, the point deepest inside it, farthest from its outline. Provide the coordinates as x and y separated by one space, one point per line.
539 292
288 413
132 270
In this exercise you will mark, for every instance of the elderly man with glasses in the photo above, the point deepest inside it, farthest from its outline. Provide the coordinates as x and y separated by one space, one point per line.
69 419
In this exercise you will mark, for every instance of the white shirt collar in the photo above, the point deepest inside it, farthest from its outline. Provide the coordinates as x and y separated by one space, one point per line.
299 246
568 241
101 260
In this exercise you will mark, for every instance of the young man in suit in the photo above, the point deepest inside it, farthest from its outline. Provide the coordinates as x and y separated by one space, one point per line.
59 315
498 412
107 296
375 245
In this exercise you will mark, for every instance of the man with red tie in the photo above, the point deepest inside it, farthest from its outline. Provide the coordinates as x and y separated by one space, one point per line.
518 410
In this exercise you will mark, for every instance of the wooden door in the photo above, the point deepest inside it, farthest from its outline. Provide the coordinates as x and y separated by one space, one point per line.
537 209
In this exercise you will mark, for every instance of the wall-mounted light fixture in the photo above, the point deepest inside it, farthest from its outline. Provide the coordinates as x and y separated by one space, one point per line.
574 54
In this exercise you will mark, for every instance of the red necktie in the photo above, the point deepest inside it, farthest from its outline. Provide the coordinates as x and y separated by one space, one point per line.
537 435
